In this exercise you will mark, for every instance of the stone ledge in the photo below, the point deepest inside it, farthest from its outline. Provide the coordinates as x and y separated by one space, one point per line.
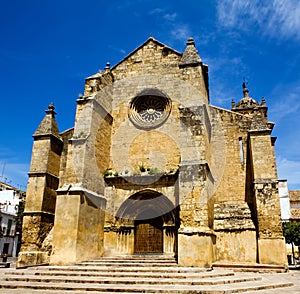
195 231
137 180
251 267
96 199
232 217
33 258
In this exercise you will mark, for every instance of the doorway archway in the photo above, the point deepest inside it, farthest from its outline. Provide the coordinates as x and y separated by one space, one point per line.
151 215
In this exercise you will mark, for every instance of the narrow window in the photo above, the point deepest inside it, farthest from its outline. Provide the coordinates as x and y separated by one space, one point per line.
9 223
241 150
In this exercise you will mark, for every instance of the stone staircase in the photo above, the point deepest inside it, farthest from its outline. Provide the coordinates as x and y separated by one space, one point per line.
137 274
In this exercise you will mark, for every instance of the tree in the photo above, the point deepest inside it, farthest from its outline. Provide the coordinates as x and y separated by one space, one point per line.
19 221
20 211
1 232
291 232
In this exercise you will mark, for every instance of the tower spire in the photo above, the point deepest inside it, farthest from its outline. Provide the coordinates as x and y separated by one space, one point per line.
48 126
190 56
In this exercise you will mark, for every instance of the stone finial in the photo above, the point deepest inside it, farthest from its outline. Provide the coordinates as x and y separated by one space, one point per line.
246 102
245 90
190 56
190 41
107 67
232 104
50 109
48 126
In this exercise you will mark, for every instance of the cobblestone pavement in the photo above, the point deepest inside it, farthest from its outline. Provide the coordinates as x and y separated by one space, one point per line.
292 276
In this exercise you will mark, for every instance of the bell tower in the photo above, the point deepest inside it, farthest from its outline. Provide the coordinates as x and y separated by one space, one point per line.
41 190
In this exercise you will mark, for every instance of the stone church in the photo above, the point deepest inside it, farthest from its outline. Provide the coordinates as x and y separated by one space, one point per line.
151 167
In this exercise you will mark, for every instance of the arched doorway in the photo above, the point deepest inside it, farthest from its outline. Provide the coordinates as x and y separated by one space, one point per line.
150 216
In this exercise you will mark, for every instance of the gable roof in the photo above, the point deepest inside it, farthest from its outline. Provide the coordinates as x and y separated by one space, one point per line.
144 44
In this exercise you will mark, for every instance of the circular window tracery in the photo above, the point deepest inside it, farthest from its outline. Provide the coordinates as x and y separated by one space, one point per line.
149 109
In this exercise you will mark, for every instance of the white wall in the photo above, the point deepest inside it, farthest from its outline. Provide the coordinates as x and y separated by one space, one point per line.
284 199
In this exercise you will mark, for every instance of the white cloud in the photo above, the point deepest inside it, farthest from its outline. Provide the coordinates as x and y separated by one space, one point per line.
290 170
170 16
156 11
120 50
162 13
274 18
177 30
15 174
13 170
181 32
221 69
287 102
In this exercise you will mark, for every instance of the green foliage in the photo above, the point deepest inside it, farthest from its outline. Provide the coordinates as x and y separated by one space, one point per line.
153 171
81 135
20 211
1 232
142 169
19 218
291 232
106 173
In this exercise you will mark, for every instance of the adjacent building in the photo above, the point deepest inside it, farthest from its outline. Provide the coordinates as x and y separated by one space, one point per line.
10 199
294 196
285 205
290 212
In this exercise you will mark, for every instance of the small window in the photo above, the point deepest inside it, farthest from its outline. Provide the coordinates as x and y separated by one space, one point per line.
9 224
241 150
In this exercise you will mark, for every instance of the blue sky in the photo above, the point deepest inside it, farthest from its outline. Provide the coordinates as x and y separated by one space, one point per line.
48 48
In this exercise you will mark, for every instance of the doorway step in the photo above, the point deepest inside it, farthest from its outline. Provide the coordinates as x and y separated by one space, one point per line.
136 274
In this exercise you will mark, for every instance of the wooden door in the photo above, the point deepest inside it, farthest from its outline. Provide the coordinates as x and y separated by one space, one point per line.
148 237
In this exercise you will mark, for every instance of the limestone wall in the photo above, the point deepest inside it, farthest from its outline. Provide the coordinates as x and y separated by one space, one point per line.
235 128
78 229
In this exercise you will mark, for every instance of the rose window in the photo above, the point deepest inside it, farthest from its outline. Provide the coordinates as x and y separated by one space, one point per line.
149 109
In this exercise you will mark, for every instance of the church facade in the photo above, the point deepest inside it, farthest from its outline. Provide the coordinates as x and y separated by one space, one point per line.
151 167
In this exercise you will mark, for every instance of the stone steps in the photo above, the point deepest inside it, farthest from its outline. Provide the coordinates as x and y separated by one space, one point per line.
216 280
131 264
255 267
141 288
132 275
75 272
124 269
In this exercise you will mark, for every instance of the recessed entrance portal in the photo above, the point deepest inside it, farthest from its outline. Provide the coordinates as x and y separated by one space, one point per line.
148 236
147 222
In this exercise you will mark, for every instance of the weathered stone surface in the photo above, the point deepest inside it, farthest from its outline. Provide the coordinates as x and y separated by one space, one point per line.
236 246
190 56
232 216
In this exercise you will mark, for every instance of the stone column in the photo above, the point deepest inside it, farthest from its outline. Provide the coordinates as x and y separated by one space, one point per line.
125 240
169 239
271 244
79 226
195 237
